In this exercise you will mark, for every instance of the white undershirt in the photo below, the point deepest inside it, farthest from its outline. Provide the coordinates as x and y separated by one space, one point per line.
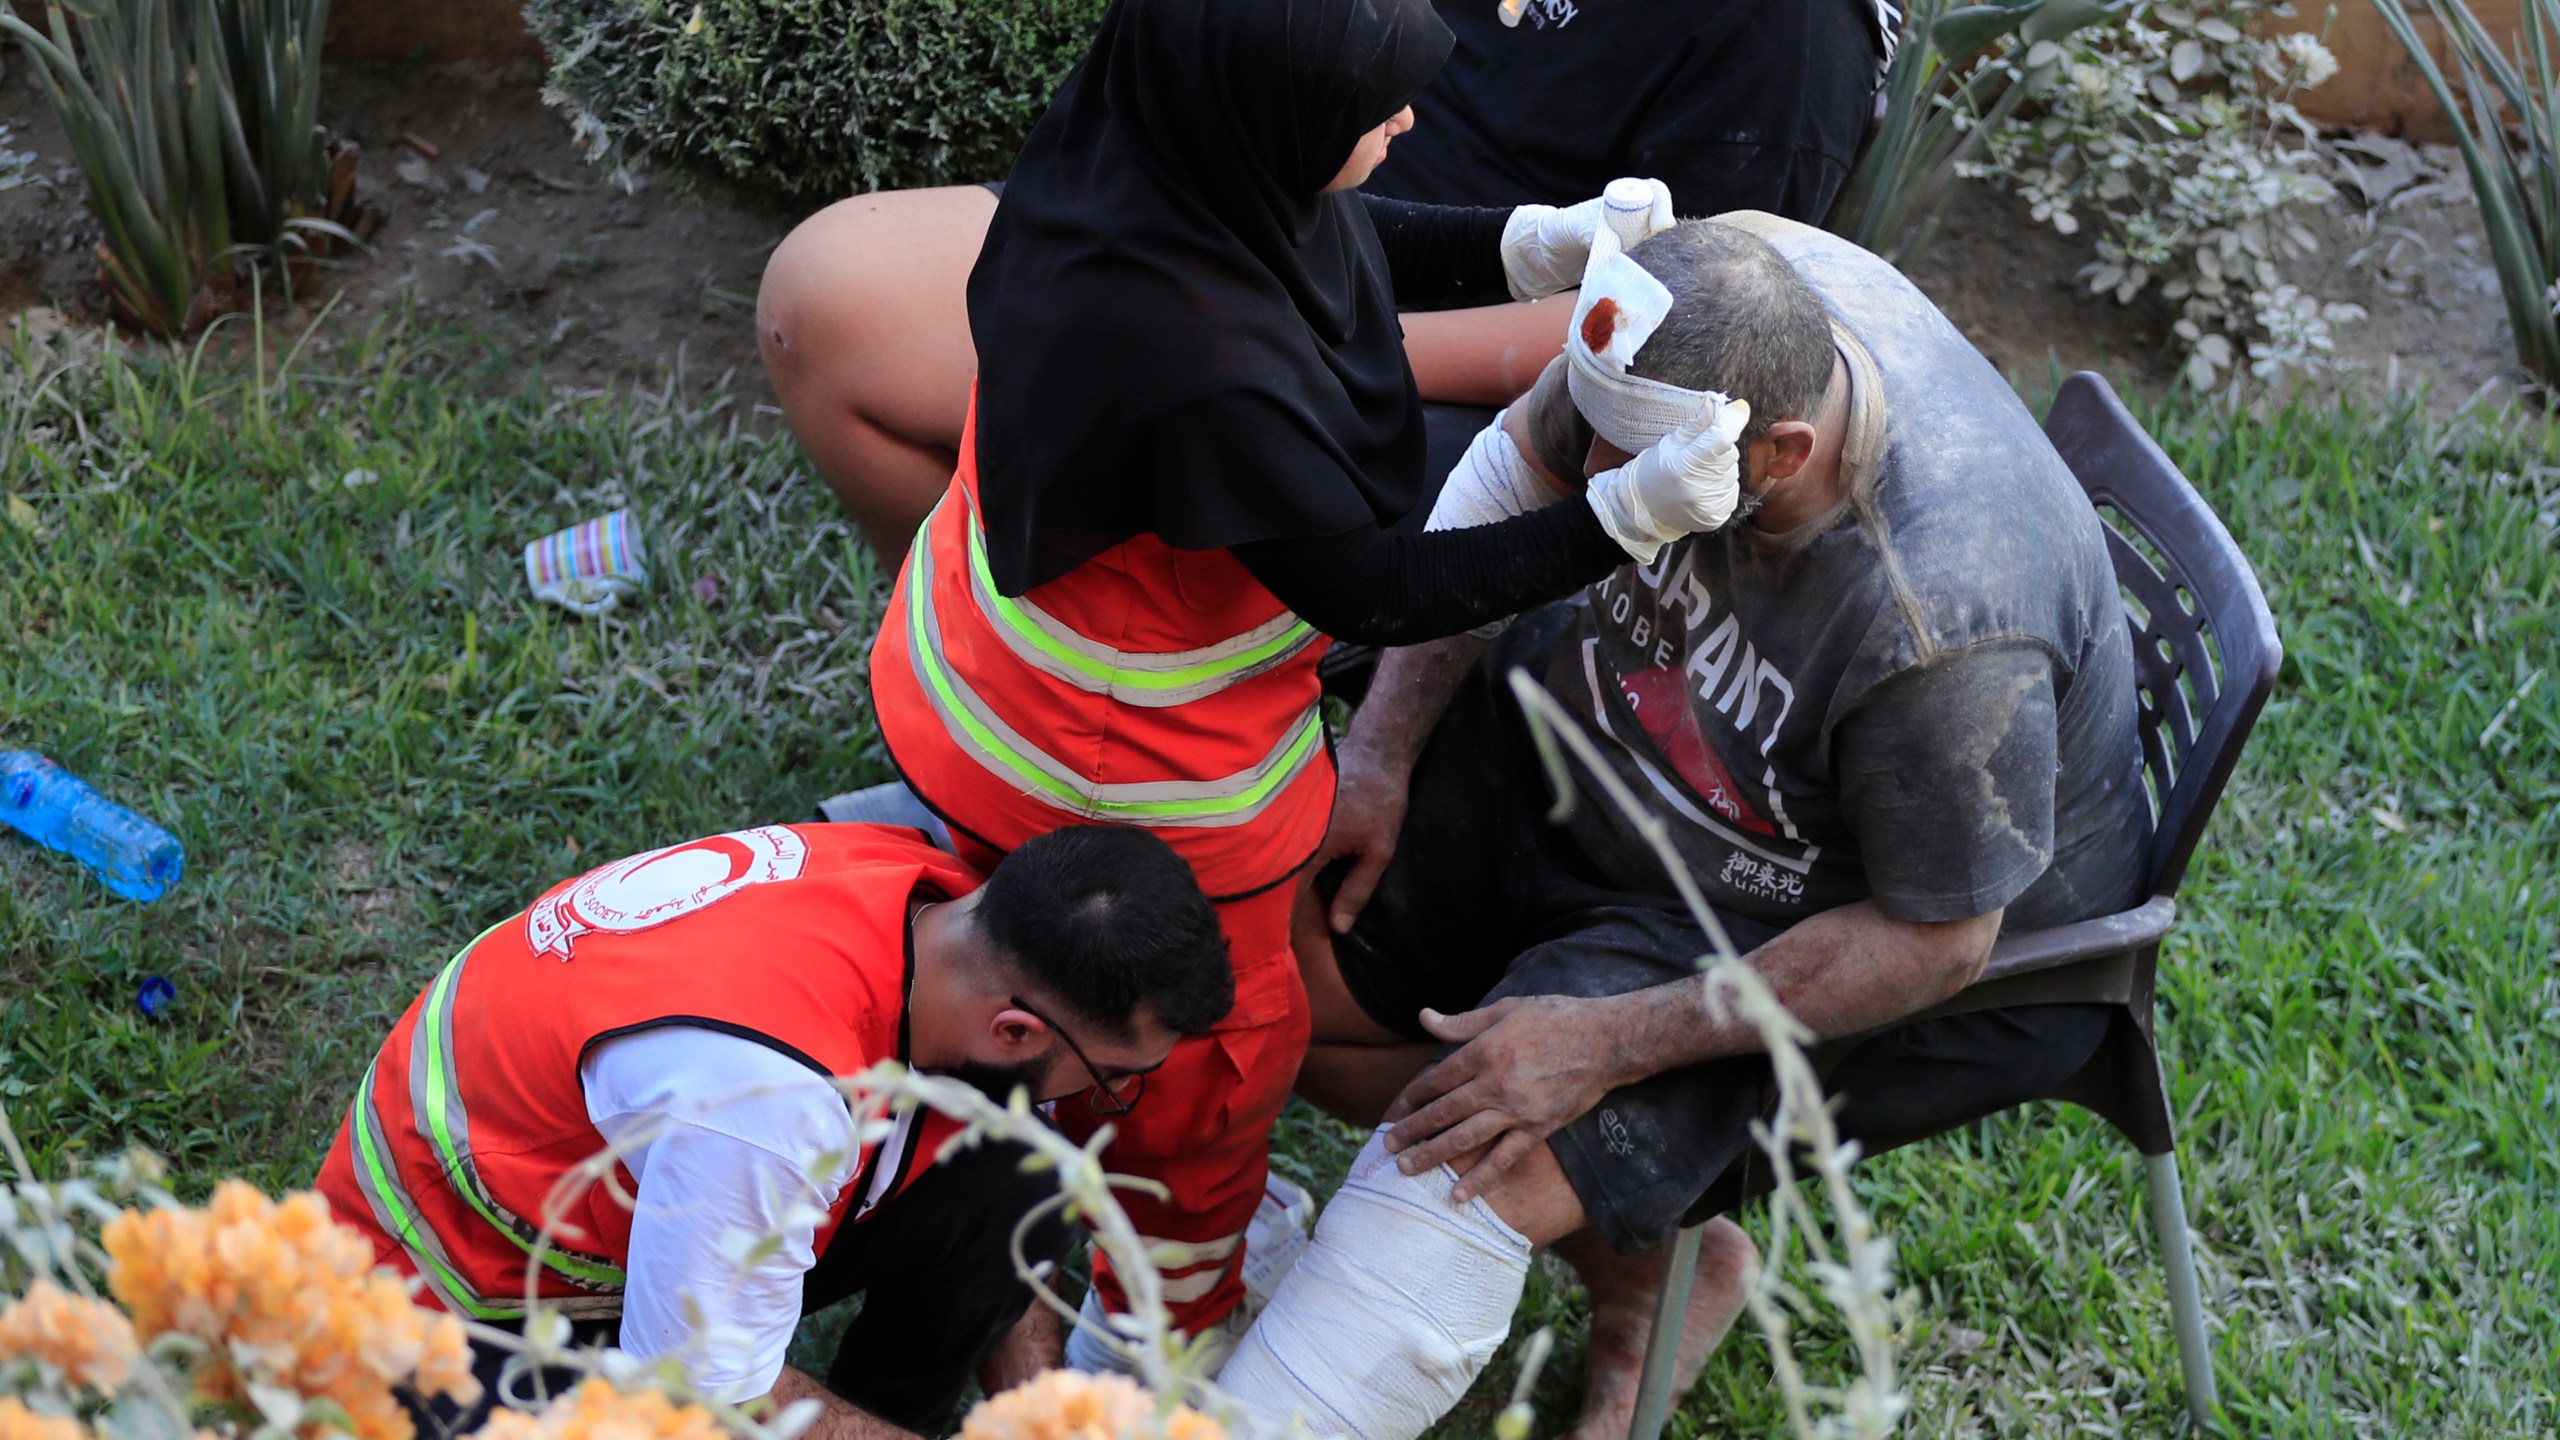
728 1141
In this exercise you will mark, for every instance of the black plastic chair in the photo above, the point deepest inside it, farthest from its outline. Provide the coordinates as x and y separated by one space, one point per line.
2205 655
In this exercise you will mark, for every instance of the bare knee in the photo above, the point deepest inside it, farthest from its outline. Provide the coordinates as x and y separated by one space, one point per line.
1536 1199
864 313
823 278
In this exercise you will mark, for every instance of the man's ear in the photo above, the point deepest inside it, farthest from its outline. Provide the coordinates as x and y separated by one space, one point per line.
1017 1031
1790 446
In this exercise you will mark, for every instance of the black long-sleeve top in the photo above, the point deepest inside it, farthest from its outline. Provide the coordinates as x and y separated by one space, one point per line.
1376 588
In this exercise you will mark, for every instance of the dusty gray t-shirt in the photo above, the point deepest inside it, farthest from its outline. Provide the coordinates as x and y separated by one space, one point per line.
1925 698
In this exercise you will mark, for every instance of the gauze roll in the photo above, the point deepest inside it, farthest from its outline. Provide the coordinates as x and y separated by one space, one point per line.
1395 1308
1618 309
1545 248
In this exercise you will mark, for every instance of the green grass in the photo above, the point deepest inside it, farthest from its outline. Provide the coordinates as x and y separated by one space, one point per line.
375 742
372 739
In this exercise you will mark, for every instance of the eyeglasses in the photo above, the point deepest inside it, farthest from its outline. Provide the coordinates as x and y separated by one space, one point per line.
1104 1099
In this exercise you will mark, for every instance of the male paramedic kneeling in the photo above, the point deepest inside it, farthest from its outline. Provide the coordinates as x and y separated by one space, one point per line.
684 1010
1886 716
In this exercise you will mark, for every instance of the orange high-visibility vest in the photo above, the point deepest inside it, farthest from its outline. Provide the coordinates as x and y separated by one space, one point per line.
469 1135
1149 686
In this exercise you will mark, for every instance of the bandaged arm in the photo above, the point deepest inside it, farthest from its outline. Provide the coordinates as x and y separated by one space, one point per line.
1493 482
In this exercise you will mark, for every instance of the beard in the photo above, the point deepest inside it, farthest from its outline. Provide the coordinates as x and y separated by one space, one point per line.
998 1082
1746 507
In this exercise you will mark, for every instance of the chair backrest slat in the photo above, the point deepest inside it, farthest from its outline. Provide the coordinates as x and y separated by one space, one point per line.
2205 650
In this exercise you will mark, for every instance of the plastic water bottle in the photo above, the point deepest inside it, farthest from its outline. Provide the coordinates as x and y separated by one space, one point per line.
55 808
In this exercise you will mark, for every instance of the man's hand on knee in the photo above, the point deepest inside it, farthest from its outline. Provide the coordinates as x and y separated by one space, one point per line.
1526 1067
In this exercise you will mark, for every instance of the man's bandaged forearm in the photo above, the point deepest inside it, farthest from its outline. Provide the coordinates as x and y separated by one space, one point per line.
1395 1308
1492 483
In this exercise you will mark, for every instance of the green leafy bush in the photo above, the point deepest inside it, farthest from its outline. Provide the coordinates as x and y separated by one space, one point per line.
812 99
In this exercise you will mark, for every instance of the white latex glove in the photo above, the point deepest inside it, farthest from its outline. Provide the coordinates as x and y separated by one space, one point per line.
1544 249
1687 483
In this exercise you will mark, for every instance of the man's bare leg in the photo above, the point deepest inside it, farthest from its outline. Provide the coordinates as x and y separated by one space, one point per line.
1033 1347
1624 1289
863 322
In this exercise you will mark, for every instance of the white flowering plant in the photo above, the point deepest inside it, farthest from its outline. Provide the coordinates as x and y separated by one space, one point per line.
2169 133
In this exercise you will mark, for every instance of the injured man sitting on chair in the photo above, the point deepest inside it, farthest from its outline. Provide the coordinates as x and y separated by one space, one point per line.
1887 713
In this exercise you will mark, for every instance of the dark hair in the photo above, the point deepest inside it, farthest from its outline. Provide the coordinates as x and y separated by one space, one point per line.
1107 918
1742 322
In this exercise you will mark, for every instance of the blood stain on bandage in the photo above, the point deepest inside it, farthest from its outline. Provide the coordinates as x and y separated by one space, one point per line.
1600 324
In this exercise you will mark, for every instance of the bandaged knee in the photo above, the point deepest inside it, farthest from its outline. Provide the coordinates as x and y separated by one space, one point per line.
1397 1305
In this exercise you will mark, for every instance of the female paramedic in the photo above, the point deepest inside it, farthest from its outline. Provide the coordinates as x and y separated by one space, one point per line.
1192 428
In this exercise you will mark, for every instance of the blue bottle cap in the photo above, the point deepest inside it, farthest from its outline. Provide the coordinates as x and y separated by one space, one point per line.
155 996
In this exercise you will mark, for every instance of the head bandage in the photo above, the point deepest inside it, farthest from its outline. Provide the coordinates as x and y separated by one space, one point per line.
1394 1309
1618 310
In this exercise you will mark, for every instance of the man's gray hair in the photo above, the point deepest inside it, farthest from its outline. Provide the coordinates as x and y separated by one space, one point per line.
1743 322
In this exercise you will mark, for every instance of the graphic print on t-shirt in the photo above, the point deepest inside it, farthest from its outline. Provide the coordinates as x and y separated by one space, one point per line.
641 891
1657 697
1708 705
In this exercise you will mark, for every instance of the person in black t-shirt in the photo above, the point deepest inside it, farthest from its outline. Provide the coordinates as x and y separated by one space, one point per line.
1883 720
1735 104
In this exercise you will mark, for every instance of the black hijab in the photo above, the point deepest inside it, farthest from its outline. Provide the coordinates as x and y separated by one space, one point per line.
1176 332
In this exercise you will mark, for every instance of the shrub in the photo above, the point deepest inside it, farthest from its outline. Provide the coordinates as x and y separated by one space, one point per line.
808 100
1948 88
2172 131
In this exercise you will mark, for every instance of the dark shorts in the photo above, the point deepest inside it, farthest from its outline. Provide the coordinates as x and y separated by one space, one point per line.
1485 899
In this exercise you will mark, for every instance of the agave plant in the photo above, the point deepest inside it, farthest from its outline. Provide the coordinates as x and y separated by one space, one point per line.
1945 89
195 123
2515 174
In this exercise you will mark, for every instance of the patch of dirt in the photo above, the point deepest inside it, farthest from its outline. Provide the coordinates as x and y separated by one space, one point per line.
505 226
374 903
2415 259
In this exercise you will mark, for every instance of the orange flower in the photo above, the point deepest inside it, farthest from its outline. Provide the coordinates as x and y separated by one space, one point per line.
1066 1405
283 1295
597 1411
17 1422
89 1341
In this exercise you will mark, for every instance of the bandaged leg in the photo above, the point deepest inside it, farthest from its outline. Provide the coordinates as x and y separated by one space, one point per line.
1391 1313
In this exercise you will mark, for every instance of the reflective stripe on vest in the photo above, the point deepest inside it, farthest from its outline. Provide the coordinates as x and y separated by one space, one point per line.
1231 800
441 1120
378 1179
1135 677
